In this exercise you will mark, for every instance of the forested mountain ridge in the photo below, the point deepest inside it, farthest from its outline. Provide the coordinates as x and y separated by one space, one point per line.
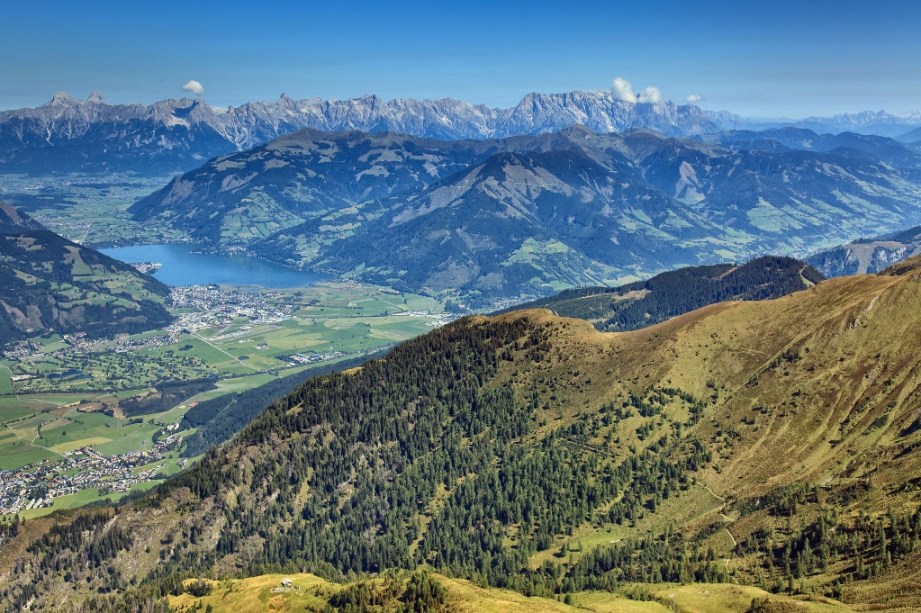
492 220
773 442
50 284
645 303
218 419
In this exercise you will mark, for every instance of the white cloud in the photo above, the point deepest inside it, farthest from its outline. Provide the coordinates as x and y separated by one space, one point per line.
195 87
650 95
623 90
694 98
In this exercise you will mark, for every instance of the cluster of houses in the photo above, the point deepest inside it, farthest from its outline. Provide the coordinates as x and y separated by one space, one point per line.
313 358
210 306
20 350
37 485
77 344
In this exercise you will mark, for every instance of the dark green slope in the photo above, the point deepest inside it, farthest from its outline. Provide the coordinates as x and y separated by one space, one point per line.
220 418
50 284
673 293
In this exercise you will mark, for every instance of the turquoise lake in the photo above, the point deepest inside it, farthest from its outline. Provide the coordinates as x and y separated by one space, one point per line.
184 265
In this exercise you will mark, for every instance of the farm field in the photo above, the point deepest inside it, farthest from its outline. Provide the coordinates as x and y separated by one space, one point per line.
87 209
224 335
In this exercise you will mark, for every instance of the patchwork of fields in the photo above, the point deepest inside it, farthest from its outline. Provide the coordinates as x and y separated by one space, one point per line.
88 209
58 396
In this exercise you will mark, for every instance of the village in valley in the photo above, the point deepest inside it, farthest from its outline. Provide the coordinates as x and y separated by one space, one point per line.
71 432
36 486
216 328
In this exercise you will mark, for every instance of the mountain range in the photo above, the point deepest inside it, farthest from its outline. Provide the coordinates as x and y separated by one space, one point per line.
67 134
890 151
168 136
913 137
499 219
772 444
49 284
881 123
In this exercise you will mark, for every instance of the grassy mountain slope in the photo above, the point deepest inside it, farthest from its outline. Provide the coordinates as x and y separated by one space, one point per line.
245 197
50 284
312 593
771 443
645 303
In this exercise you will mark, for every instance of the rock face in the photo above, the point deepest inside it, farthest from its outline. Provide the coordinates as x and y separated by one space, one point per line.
50 284
868 255
525 216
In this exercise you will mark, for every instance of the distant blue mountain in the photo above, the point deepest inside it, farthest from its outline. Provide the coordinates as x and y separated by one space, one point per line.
498 219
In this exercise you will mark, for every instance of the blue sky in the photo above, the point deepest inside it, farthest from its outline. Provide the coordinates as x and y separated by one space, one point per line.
773 58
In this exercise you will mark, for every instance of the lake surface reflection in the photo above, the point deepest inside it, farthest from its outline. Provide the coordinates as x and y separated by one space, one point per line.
184 265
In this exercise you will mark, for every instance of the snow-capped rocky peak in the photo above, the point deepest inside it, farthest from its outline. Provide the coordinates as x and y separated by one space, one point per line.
61 99
182 133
